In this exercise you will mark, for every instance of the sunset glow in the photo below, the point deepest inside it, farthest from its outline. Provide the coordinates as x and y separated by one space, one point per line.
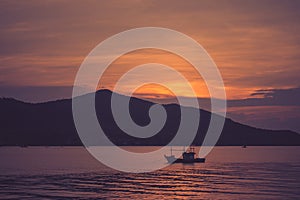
149 99
255 45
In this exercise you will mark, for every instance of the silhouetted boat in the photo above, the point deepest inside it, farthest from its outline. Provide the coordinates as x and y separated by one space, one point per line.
187 157
244 146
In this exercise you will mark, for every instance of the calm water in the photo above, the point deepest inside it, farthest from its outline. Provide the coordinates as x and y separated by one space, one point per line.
71 173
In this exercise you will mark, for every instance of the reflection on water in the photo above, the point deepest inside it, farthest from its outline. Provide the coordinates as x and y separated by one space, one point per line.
71 173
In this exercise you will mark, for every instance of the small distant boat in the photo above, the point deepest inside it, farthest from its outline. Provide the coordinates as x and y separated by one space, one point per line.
244 146
187 157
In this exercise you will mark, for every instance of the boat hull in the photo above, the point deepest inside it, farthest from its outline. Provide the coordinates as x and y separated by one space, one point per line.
172 159
196 160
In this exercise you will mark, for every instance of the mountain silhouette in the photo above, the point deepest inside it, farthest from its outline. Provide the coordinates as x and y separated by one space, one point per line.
51 124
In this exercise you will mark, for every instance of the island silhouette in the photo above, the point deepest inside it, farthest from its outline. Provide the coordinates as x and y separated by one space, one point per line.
51 124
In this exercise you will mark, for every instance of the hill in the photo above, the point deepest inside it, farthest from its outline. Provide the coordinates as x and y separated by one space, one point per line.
51 124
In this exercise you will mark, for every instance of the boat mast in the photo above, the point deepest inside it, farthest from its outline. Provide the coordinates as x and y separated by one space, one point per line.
192 149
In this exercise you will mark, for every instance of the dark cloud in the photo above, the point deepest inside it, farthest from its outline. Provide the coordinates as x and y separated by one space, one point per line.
270 97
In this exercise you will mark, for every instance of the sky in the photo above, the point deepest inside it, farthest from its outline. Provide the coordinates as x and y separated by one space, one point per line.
254 43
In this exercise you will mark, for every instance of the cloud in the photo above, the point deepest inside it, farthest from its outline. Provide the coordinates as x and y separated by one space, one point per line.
270 97
255 43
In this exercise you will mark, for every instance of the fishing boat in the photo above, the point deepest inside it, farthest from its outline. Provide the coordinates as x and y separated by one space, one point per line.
187 157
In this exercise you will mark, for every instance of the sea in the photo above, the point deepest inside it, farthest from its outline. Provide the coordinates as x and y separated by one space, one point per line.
228 173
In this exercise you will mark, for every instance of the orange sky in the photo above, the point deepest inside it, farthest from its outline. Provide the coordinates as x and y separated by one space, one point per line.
254 43
139 57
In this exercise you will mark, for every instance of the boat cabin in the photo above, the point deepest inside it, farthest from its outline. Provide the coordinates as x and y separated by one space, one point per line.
188 156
